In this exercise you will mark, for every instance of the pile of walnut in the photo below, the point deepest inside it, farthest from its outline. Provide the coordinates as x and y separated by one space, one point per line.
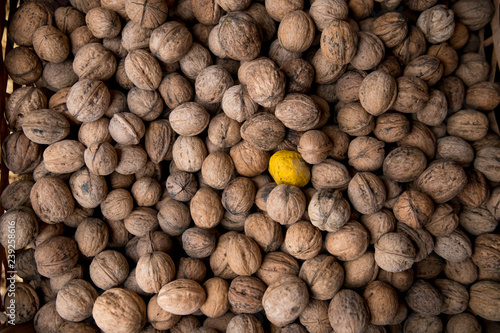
143 131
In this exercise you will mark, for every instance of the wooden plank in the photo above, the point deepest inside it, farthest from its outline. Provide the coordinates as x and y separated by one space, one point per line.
495 29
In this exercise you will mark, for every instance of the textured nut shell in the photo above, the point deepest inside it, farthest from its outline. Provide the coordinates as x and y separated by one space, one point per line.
22 101
23 65
108 269
275 265
119 310
349 242
354 120
92 236
371 51
45 126
189 153
391 28
324 276
328 210
302 240
238 29
377 92
348 312
442 180
20 225
245 294
484 299
382 300
263 130
394 252
26 300
147 14
243 255
56 256
159 318
339 42
51 44
181 297
88 100
153 271
413 208
47 319
454 247
285 300
170 41
412 94
264 231
391 127
93 61
37 14
366 153
474 15
51 199
296 31
366 192
329 174
217 170
286 204
143 69
75 300
198 243
189 119
424 298
216 303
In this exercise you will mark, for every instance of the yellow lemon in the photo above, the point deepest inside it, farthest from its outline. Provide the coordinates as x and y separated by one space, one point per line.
288 167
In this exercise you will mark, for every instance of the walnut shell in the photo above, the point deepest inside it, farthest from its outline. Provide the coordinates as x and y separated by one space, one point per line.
275 265
189 153
88 100
437 23
394 252
263 130
442 180
391 28
324 12
170 41
472 69
19 227
147 14
329 174
412 94
108 269
244 323
91 236
302 240
314 146
486 162
37 14
154 270
354 120
424 298
17 194
382 300
325 71
237 29
366 153
349 242
198 243
377 92
339 42
324 276
143 69
413 208
56 256
264 231
51 44
25 300
75 300
425 67
454 247
296 31
483 299
468 124
413 46
119 310
464 322
378 224
23 65
348 312
328 210
243 255
286 204
366 192
248 160
245 294
474 15
51 200
93 61
181 297
211 84
391 127
21 102
45 126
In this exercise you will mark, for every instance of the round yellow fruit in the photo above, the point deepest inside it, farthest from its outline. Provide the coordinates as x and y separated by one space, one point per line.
288 167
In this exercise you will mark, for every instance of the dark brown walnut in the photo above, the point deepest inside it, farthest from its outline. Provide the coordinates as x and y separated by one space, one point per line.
285 300
248 160
470 125
93 61
426 67
16 194
235 30
378 224
111 314
67 19
26 301
377 92
51 44
101 158
37 14
45 126
443 221
264 231
243 255
21 102
366 193
88 189
170 42
404 164
483 96
413 46
424 298
275 265
296 31
442 180
486 252
360 272
454 89
455 296
484 299
391 28
476 192
181 186
421 239
51 199
254 72
300 74
434 110
75 300
325 72
330 174
56 256
391 127
20 225
263 130
412 94
464 322
447 55
428 268
474 15
413 208
143 69
23 65
80 37
370 51
328 210
339 42
103 23
58 76
47 319
420 137
323 275
245 294
382 301
198 243
348 312
454 247
315 317
472 69
88 100
91 236
147 14
354 120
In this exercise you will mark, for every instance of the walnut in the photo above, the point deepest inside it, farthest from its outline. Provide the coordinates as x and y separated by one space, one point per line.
285 300
289 26
424 298
91 236
454 247
286 204
244 323
143 69
26 302
159 318
366 192
475 15
243 255
324 276
325 71
378 224
93 61
265 22
442 180
349 242
56 256
245 294
51 200
75 300
88 100
366 153
426 67
181 297
394 252
37 14
47 319
211 84
413 46
254 72
339 35
278 9
354 120
108 269
361 271
391 28
464 322
236 29
21 102
329 174
119 310
412 94
22 224
314 146
348 312
472 69
323 12
382 300
264 231
170 41
437 23
51 44
198 243
147 14
154 270
23 65
17 194
328 210
420 137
